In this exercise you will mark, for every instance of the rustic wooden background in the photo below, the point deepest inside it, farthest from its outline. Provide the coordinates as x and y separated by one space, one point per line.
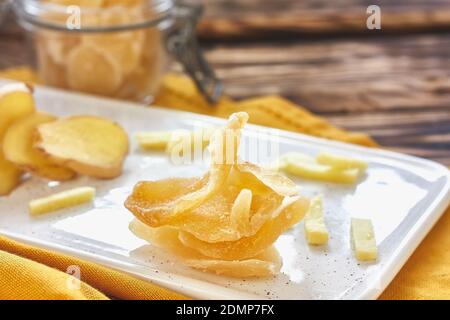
392 83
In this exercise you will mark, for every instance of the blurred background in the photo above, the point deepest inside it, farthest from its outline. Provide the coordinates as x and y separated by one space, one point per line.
392 83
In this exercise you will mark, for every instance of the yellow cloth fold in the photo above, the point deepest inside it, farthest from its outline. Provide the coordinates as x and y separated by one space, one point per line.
179 92
426 275
27 272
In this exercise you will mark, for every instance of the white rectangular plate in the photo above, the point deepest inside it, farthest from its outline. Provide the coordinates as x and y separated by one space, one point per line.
404 196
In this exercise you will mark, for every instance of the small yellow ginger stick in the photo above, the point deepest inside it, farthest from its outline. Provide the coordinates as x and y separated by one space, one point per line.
315 230
340 162
363 240
306 167
153 139
61 200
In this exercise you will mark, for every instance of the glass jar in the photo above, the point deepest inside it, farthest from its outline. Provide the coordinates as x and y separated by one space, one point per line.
114 48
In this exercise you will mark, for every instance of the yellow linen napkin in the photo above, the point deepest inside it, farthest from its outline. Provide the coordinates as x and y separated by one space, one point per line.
27 272
26 279
426 275
179 92
32 273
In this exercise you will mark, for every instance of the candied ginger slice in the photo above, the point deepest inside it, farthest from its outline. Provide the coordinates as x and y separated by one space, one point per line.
266 264
288 214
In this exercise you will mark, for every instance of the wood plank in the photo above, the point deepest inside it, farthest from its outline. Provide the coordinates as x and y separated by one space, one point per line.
236 19
261 18
336 76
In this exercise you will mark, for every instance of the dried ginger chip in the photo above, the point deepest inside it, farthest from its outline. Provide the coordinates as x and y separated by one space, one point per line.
240 211
152 202
267 263
291 212
58 45
230 216
180 195
125 47
211 221
223 147
271 179
92 70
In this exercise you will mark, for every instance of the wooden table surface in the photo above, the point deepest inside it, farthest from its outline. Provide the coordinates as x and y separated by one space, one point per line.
393 83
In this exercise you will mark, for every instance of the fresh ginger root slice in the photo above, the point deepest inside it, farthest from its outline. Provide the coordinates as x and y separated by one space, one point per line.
266 264
18 148
290 213
61 200
16 101
88 145
10 176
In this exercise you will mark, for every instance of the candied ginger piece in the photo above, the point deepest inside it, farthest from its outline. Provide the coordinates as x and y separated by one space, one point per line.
275 181
287 215
240 211
266 264
155 209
